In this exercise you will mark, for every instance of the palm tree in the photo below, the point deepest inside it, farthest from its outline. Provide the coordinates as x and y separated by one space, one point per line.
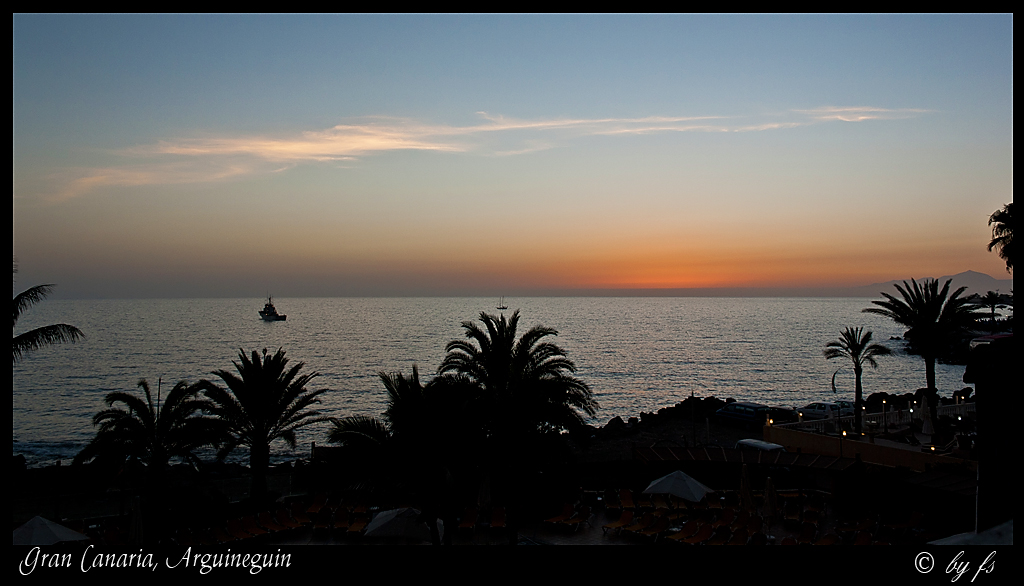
527 392
152 432
527 382
426 438
992 301
264 402
43 336
856 345
1002 235
935 318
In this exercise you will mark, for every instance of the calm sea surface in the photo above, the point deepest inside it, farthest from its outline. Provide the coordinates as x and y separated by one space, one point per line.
637 354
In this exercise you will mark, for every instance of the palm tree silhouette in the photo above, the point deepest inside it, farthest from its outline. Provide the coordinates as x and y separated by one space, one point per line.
428 435
264 402
1002 235
992 301
527 393
856 345
152 432
43 336
527 382
935 318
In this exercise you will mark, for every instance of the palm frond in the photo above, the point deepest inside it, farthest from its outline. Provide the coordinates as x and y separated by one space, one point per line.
26 299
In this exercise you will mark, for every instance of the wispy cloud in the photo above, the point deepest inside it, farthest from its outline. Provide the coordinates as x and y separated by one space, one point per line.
206 159
860 114
78 181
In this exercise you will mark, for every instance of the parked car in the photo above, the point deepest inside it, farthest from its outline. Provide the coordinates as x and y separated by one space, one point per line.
821 410
749 414
782 414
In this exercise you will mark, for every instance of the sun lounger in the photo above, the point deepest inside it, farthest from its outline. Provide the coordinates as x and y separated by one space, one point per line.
469 519
626 498
758 538
726 518
359 523
236 530
755 524
644 502
567 512
267 521
342 519
863 538
659 526
319 501
583 516
714 500
721 535
688 530
740 521
298 512
807 533
323 520
285 519
611 500
640 525
624 520
498 518
703 534
251 527
828 539
222 535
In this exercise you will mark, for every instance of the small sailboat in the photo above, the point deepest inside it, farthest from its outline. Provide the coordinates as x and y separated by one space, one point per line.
501 304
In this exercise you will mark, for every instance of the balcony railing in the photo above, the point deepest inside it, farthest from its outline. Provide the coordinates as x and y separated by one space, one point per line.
893 418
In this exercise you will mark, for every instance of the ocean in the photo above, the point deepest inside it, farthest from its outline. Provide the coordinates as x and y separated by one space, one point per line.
638 354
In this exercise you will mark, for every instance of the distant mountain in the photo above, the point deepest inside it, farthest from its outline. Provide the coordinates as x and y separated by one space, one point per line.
975 282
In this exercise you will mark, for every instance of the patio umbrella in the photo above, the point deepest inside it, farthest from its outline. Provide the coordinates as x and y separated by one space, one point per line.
40 531
404 523
927 427
680 485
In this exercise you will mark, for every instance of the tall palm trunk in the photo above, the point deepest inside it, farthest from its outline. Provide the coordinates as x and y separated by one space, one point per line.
259 463
858 400
929 371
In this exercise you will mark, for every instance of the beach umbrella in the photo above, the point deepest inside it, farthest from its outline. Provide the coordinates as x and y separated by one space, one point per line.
927 427
40 531
680 485
404 523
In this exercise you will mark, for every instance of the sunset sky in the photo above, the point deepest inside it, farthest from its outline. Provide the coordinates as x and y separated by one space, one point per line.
209 156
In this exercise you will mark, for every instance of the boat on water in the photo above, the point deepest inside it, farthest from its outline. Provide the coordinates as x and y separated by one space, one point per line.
501 304
269 312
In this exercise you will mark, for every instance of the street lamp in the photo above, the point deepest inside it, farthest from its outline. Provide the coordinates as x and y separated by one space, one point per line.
885 417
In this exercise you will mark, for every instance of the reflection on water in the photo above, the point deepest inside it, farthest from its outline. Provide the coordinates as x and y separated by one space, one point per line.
637 354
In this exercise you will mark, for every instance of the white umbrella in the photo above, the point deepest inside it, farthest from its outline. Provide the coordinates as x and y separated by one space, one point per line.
40 531
398 523
680 485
